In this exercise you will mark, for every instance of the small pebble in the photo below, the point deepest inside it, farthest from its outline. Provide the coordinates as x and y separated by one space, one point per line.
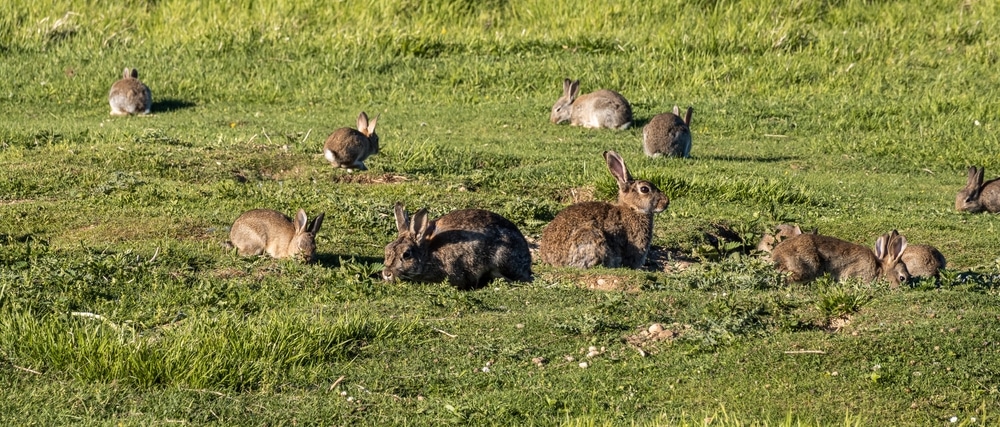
655 328
584 365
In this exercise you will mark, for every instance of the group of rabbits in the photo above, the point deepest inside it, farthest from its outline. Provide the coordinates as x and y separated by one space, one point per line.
468 248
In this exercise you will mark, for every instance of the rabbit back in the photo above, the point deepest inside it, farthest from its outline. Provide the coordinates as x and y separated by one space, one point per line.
591 234
809 256
602 109
668 135
468 248
923 260
129 95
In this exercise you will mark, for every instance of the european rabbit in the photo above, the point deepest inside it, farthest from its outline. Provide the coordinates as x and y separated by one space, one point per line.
668 135
809 256
600 109
468 248
264 230
781 232
348 148
922 260
129 95
588 234
978 196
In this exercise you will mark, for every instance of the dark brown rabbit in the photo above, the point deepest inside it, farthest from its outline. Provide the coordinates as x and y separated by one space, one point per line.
668 135
349 148
978 196
601 109
809 256
129 95
468 248
589 234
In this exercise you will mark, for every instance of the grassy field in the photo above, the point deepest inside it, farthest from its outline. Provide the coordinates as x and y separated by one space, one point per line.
120 305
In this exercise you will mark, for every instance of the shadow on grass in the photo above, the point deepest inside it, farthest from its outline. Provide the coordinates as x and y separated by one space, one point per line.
331 260
168 105
759 159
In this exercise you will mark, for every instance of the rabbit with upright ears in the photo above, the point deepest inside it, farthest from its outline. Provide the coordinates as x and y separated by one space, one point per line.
129 95
348 148
589 234
601 109
265 230
668 135
809 256
922 260
468 248
978 196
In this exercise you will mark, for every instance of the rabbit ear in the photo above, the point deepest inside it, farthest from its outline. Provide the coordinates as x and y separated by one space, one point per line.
574 89
687 117
974 183
135 73
362 121
317 223
677 111
896 245
421 226
402 222
126 73
566 85
301 222
796 230
617 167
880 246
371 125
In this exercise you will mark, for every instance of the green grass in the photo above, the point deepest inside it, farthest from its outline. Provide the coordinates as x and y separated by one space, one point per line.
120 305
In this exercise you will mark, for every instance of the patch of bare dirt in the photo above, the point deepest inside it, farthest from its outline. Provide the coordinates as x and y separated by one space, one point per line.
363 178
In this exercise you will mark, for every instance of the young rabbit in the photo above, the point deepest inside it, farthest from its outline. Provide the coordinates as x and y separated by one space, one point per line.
601 109
348 148
264 230
978 196
922 260
468 248
129 95
781 232
588 234
808 256
668 135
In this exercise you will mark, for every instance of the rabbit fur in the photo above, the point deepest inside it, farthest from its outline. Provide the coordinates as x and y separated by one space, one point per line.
668 135
468 248
978 196
265 230
129 95
348 148
809 256
601 109
589 234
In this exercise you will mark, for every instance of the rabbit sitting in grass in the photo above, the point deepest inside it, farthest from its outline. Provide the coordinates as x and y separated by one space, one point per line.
978 196
809 256
468 248
129 95
600 109
264 230
668 135
612 235
349 148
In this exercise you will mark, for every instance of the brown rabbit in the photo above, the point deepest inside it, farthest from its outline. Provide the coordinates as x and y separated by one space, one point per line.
129 95
781 232
668 135
264 230
978 196
600 109
809 256
348 148
468 248
922 260
589 234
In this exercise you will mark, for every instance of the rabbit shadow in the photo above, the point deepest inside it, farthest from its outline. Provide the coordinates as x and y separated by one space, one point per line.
332 260
170 104
758 159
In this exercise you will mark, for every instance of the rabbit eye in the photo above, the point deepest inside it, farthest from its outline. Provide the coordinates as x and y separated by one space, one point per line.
407 255
644 189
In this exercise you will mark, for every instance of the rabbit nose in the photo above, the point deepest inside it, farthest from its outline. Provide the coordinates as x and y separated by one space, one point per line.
387 276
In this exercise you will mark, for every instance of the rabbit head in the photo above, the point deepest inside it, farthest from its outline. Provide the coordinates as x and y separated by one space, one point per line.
368 129
408 256
889 252
967 199
781 232
640 196
563 108
303 243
